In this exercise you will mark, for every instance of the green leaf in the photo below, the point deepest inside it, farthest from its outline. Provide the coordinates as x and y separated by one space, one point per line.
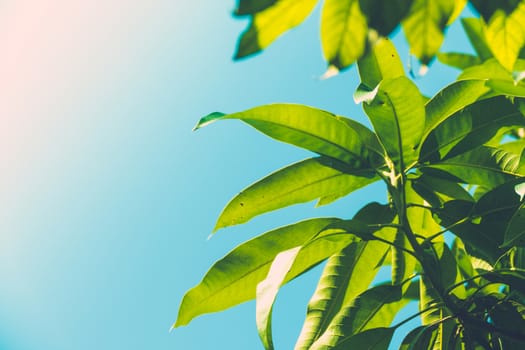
420 338
381 61
371 339
458 60
385 15
505 34
374 308
233 279
398 115
267 292
270 23
250 7
513 278
485 166
490 69
515 232
325 244
474 29
301 182
450 100
307 127
346 275
470 128
343 32
437 191
424 27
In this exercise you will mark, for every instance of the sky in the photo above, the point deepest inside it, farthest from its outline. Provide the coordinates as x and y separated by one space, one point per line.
106 195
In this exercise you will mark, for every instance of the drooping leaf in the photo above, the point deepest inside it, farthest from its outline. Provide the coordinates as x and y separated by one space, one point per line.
485 166
469 128
270 23
374 308
301 182
424 26
385 15
474 29
306 127
250 7
398 115
326 244
505 34
458 60
381 61
346 275
233 279
343 32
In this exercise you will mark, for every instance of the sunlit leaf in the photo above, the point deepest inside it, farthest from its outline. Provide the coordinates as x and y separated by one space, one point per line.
381 61
307 127
272 22
458 60
233 279
307 180
424 27
343 32
474 29
398 115
374 308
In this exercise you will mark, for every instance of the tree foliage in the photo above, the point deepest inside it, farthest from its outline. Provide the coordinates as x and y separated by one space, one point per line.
453 163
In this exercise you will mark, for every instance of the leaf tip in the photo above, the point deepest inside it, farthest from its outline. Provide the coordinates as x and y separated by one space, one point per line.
331 72
210 118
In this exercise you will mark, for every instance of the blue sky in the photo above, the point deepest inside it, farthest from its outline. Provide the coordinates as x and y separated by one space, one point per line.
107 196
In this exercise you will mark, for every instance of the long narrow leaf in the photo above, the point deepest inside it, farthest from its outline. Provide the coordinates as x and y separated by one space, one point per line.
233 279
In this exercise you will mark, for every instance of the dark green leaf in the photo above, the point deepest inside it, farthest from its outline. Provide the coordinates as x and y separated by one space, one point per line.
233 279
385 15
474 29
272 22
343 32
420 338
372 339
250 7
298 183
515 232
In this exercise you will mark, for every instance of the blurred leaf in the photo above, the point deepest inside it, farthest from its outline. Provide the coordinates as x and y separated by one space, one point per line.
513 278
343 32
381 61
346 275
487 8
398 115
301 182
458 60
250 7
233 279
385 15
490 69
474 29
374 308
307 127
505 34
270 23
424 27
469 128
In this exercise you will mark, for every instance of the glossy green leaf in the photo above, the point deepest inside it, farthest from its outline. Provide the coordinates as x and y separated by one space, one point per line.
343 32
506 87
374 308
450 100
306 127
381 61
469 128
233 279
509 316
307 180
485 166
505 34
250 7
346 275
437 191
326 244
371 339
420 338
424 27
385 15
458 60
398 115
490 69
272 22
474 29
